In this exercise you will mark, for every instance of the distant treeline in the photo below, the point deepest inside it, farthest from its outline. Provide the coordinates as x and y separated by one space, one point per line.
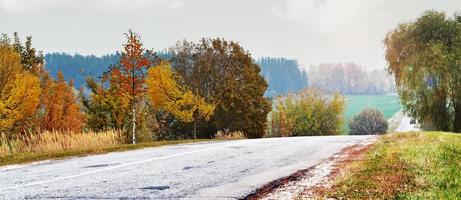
350 78
282 74
77 67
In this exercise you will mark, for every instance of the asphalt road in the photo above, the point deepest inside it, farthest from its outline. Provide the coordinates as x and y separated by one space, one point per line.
210 170
401 122
406 126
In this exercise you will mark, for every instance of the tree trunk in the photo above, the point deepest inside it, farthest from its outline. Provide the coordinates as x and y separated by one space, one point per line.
195 129
457 120
134 126
441 117
195 115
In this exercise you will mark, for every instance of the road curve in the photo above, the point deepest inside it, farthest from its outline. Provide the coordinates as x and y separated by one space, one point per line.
401 122
209 170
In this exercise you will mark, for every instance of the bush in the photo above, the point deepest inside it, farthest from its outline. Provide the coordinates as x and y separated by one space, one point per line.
309 112
221 135
368 122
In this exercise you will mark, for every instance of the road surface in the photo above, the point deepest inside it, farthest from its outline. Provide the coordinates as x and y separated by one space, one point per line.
400 122
209 170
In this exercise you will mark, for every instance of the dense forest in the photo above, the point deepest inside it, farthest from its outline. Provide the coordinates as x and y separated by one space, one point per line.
77 67
283 75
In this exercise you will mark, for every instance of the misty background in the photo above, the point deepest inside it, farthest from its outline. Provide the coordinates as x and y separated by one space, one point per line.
335 45
311 31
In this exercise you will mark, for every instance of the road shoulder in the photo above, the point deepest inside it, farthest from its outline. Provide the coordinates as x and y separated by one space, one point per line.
307 182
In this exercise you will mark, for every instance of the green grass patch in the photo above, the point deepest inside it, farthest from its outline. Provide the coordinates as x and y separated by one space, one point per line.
405 166
26 157
388 104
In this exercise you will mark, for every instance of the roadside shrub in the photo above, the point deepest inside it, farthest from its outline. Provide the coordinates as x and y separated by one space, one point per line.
309 112
368 122
220 135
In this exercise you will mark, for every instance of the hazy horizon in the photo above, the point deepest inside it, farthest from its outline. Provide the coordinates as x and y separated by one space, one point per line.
313 32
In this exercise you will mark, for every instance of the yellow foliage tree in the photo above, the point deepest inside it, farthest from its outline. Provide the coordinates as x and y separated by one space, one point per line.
19 90
165 93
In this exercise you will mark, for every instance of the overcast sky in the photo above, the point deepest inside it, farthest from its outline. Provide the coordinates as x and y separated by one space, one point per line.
312 31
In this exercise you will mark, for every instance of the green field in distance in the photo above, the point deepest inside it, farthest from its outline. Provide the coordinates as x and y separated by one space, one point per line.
388 104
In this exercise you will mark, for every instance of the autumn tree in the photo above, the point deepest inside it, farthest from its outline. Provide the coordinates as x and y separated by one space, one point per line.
130 72
224 74
25 80
165 93
424 58
60 108
104 108
32 61
19 89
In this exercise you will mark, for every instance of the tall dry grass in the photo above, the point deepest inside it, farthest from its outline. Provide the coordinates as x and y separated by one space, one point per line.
54 141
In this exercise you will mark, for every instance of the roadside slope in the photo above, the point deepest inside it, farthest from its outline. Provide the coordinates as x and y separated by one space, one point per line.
425 165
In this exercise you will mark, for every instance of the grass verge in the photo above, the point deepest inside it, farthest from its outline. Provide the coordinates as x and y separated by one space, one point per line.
404 166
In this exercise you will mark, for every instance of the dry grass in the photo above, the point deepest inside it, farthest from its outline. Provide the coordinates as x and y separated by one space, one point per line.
52 141
58 145
229 136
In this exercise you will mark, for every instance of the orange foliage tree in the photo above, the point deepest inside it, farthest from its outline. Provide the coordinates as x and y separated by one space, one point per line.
60 106
130 73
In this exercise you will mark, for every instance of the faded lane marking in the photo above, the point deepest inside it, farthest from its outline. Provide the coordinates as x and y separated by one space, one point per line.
108 168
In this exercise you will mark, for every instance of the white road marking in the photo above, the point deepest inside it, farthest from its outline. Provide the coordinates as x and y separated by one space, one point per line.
108 168
19 166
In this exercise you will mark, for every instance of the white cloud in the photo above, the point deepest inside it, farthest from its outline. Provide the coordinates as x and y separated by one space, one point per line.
120 6
22 6
352 30
312 31
135 5
328 16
